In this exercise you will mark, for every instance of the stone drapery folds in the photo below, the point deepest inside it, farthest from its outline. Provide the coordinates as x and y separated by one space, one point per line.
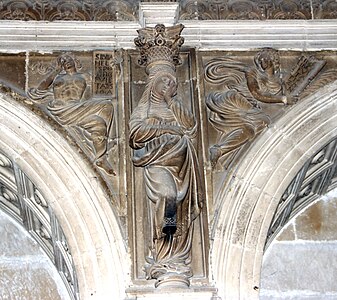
71 105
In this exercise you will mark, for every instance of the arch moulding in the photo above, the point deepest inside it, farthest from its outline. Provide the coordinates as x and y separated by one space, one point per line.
249 196
75 195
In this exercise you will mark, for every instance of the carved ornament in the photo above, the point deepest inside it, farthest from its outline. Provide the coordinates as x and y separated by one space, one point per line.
245 10
127 10
21 199
87 10
316 178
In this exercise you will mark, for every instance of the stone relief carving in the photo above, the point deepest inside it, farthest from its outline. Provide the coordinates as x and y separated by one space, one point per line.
71 104
50 10
126 10
324 9
21 199
244 10
295 82
235 112
161 134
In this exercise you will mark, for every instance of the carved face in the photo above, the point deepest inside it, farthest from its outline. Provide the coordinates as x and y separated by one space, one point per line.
67 63
266 62
165 84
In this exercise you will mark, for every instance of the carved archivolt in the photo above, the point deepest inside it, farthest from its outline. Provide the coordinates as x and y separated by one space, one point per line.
46 181
252 195
316 178
20 198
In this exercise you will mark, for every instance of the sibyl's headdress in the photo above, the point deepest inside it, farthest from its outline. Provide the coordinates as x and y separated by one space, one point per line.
159 46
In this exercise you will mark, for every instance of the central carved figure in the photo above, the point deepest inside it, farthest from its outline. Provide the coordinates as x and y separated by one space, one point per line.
161 133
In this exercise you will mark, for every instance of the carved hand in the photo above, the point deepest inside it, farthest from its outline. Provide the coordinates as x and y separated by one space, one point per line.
175 130
170 92
290 99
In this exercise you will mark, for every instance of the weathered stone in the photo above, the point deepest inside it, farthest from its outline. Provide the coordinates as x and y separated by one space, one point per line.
25 269
299 269
318 222
287 234
104 218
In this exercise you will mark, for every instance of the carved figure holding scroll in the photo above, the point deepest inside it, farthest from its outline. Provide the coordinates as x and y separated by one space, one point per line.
71 106
235 112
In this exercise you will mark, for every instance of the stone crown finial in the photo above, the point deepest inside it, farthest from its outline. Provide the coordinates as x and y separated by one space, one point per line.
159 45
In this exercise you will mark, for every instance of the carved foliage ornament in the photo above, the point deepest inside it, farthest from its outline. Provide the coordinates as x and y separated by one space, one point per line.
245 10
126 10
161 134
65 10
159 45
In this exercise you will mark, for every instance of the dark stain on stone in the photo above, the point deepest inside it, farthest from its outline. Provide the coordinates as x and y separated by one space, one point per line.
315 218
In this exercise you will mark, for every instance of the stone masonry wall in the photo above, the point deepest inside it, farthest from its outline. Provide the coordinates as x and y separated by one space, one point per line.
26 271
301 262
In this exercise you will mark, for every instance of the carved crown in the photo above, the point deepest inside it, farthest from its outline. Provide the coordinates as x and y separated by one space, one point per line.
159 45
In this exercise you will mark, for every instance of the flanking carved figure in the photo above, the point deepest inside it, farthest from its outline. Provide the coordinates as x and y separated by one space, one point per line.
235 112
71 105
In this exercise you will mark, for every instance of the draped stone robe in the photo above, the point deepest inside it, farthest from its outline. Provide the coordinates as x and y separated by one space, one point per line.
171 176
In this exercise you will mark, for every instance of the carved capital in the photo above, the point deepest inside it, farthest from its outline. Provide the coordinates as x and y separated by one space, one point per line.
159 45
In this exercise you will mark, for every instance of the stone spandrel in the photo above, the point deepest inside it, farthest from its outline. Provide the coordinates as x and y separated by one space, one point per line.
244 93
